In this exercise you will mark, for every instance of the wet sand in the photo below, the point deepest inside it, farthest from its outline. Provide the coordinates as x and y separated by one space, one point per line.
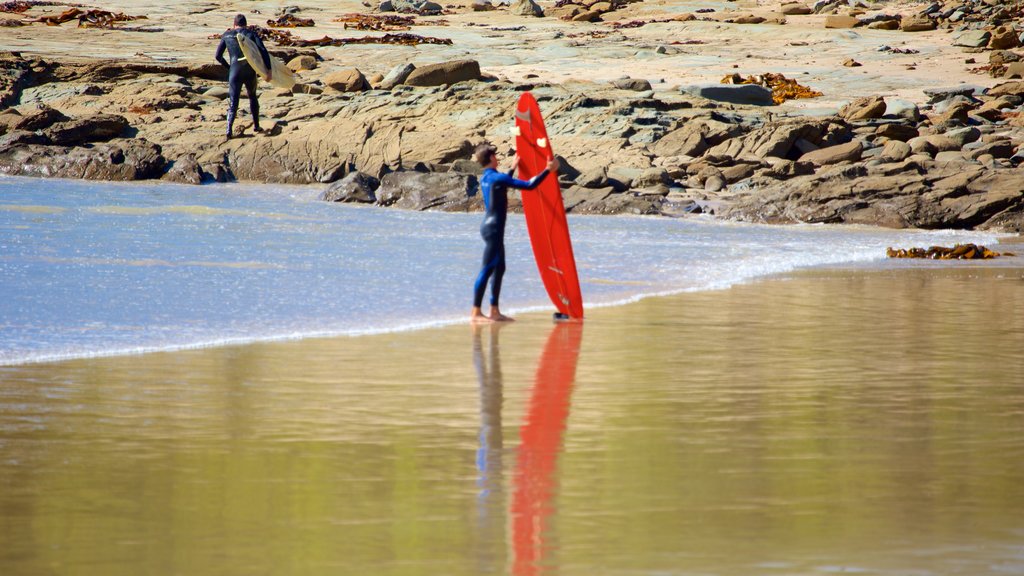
825 421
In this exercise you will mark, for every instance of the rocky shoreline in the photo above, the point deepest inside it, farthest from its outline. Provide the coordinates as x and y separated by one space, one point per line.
403 139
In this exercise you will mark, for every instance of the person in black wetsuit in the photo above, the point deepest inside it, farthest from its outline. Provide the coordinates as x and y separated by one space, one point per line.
240 72
494 187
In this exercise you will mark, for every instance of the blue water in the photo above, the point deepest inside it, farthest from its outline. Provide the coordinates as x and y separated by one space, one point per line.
90 269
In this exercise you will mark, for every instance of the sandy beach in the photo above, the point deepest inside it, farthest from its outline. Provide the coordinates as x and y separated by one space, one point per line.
822 421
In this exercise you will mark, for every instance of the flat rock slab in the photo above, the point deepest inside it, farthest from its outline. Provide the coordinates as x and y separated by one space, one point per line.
733 93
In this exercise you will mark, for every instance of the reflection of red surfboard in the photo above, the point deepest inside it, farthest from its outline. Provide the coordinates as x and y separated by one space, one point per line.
541 442
545 213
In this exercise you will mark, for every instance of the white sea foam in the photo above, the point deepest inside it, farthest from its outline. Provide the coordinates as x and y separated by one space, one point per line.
103 269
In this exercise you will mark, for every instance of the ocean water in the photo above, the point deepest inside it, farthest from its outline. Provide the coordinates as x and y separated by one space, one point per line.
98 269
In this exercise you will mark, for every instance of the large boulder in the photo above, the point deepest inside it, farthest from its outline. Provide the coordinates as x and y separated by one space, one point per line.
863 109
795 9
849 152
347 80
354 188
526 8
917 24
121 160
634 84
1004 38
972 38
302 62
444 73
96 128
41 117
427 191
836 21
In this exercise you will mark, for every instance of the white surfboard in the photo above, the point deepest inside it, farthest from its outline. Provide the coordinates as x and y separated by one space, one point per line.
281 76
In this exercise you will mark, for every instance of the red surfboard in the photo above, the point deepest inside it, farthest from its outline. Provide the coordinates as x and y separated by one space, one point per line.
545 213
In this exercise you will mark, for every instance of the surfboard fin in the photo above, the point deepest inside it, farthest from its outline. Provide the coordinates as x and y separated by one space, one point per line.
542 142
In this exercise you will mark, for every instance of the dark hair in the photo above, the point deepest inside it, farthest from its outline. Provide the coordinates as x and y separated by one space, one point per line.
484 152
240 20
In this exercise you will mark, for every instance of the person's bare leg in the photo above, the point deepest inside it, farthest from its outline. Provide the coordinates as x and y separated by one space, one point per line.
497 316
477 317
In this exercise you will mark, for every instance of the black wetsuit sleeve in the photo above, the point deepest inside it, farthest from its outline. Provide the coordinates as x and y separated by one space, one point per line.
219 56
263 49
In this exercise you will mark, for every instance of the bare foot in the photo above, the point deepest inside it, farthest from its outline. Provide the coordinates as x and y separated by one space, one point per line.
497 316
477 317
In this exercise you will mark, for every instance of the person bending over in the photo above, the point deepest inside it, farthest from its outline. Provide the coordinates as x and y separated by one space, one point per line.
494 187
240 72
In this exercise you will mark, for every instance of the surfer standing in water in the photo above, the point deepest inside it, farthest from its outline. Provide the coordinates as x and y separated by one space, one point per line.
240 72
494 187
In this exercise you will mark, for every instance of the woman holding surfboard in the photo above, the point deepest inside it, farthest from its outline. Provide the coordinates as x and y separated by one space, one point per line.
240 72
494 187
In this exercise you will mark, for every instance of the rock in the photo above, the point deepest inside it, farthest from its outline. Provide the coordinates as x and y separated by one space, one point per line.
427 191
917 24
218 92
954 114
715 183
863 109
347 80
732 93
300 88
652 177
1014 88
921 145
795 9
118 160
1004 38
185 170
734 174
894 151
96 128
779 139
1014 70
892 24
936 95
300 63
903 109
851 63
525 8
634 84
964 135
444 73
42 117
21 137
593 178
900 132
587 16
972 38
950 156
748 19
1002 149
849 152
396 76
941 143
356 187
481 5
685 141
836 21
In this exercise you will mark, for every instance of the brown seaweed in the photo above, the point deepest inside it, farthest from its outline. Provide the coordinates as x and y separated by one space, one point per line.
379 23
286 38
291 21
87 18
958 252
782 88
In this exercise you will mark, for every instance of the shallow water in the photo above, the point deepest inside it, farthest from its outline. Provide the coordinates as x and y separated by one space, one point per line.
859 421
91 269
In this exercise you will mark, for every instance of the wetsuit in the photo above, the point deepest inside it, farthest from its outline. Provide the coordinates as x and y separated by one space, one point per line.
494 186
241 73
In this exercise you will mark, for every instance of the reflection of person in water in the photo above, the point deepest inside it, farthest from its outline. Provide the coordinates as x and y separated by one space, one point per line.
490 477
240 73
535 482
